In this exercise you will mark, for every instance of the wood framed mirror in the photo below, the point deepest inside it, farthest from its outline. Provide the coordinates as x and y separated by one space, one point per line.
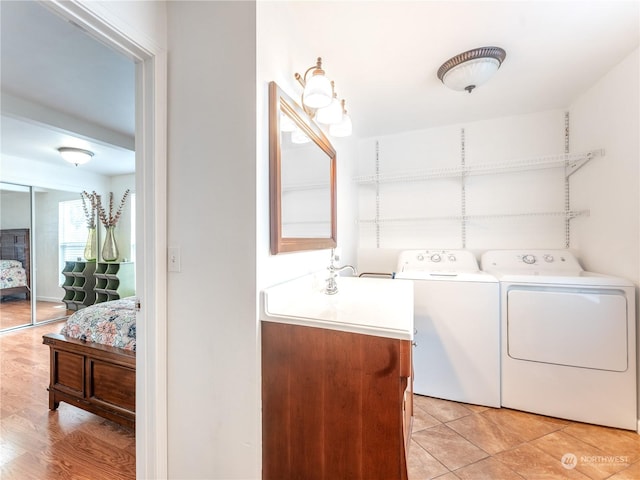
302 179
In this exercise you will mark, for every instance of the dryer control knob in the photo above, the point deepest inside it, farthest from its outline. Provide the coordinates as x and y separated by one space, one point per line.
435 257
529 259
452 258
548 258
420 258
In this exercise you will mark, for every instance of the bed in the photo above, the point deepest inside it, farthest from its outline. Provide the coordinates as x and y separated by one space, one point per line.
15 263
93 361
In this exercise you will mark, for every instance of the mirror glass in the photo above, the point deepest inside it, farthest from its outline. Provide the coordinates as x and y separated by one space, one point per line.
306 189
15 256
302 179
34 295
59 234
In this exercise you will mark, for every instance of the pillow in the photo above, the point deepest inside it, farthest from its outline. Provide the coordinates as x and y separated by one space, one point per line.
10 263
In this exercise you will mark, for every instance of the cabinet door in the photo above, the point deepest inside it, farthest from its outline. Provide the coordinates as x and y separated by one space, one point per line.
332 404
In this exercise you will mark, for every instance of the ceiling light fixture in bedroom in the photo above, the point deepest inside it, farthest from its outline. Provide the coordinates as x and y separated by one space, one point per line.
77 156
472 68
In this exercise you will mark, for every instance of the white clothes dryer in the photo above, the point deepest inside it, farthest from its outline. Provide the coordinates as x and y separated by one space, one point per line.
568 338
456 353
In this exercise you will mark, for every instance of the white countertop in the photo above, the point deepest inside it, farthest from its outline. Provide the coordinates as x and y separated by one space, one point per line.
370 306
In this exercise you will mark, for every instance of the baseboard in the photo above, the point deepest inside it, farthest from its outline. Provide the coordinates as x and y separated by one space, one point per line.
49 299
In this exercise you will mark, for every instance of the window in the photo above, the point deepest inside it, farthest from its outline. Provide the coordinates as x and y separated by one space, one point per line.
72 232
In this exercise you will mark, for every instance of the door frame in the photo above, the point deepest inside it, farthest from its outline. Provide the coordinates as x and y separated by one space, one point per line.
101 22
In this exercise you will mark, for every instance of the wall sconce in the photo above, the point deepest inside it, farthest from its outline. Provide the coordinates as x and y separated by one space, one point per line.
471 69
320 101
77 156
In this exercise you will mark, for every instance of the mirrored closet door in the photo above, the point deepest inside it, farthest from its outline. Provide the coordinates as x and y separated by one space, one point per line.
40 229
16 305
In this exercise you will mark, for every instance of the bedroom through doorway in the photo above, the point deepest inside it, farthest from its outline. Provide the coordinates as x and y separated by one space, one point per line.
60 88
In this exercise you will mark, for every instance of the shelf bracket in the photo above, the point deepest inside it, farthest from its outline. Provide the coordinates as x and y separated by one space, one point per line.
571 214
572 166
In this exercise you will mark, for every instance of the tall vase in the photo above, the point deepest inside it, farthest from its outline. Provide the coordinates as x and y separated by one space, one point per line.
91 248
110 247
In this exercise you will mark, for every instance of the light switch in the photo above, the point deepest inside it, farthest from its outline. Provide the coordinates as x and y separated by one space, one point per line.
174 259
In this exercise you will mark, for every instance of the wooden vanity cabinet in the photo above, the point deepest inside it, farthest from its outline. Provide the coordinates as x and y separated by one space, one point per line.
335 405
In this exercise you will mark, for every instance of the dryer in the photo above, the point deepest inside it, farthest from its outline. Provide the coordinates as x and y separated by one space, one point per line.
568 338
456 353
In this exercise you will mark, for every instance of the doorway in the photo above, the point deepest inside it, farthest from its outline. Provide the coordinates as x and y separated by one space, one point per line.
150 58
61 88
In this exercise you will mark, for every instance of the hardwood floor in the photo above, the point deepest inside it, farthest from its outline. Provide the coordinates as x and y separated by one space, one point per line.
38 444
15 311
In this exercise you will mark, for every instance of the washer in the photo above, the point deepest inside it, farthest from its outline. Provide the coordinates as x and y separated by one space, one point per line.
568 338
456 352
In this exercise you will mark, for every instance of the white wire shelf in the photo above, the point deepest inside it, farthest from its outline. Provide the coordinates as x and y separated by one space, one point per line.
570 161
497 216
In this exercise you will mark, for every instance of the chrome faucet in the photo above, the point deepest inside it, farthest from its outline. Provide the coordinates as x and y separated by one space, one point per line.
332 285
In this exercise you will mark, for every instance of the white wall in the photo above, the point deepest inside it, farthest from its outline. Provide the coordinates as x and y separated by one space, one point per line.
278 58
46 256
118 185
425 213
213 377
54 184
24 171
607 117
15 209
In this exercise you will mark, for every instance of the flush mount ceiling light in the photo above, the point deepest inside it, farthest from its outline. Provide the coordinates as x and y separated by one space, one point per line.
320 101
471 69
77 156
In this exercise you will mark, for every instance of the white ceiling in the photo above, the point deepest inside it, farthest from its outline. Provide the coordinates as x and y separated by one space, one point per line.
383 56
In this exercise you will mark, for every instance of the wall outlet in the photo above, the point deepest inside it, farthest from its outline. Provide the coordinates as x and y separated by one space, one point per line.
173 259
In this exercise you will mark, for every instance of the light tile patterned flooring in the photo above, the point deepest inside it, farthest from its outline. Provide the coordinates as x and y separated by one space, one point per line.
453 441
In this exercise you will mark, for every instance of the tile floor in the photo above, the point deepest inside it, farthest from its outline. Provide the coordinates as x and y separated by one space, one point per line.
453 441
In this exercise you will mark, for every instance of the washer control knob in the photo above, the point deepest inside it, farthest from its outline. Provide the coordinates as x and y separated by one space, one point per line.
529 259
420 258
452 258
548 258
436 257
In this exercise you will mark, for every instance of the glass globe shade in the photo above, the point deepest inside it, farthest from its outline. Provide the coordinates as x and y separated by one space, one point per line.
471 74
318 92
342 129
330 114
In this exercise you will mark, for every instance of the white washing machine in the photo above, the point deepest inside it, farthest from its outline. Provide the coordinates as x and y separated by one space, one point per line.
568 338
456 352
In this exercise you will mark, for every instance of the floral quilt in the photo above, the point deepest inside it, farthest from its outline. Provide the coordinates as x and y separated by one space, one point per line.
12 274
110 323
